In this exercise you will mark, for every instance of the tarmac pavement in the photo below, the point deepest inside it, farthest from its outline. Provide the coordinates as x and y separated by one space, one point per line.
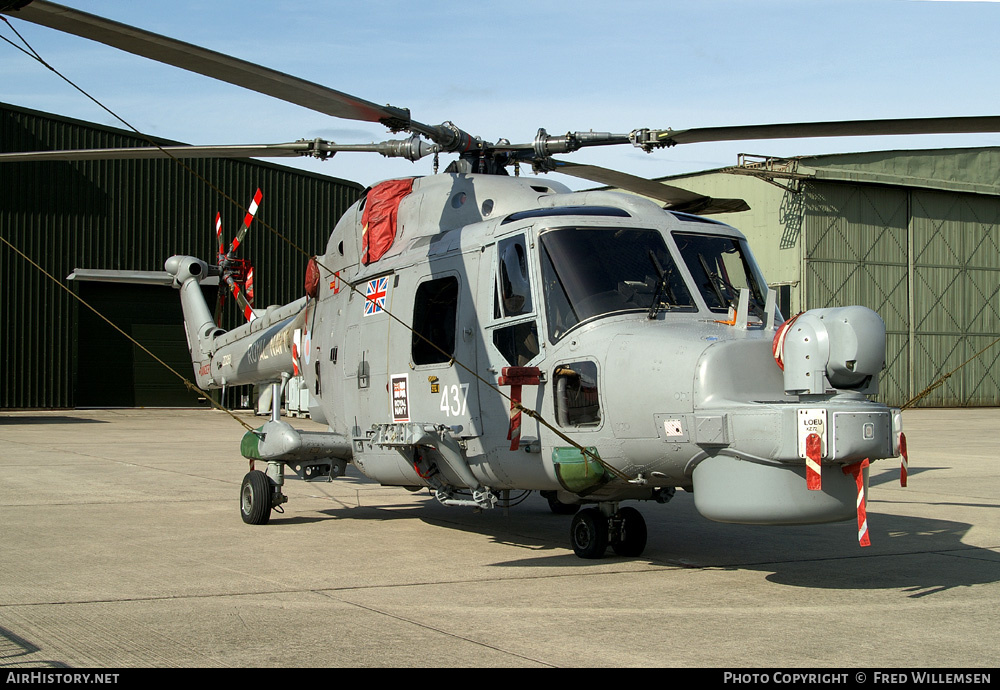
121 546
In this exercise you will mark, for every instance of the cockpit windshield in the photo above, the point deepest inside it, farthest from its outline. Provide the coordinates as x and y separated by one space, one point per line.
721 267
588 272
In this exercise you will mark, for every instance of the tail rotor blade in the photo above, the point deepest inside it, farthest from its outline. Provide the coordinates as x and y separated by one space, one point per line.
218 236
241 299
221 299
230 266
247 219
248 286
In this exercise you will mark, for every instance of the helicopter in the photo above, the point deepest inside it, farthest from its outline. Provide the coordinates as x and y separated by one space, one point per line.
473 333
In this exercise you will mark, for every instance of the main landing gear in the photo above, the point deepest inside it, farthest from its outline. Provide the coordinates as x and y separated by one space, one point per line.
594 528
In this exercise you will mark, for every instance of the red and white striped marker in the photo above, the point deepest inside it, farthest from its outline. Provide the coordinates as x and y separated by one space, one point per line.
814 469
904 465
248 312
858 470
296 339
218 236
247 219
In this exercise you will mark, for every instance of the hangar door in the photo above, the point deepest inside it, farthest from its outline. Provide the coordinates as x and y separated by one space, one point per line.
110 371
956 292
856 253
929 263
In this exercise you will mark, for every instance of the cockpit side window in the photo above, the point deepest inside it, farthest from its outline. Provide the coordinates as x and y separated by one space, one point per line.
514 284
721 267
576 400
516 337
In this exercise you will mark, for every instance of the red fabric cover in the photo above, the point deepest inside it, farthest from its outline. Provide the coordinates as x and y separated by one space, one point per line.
378 222
312 278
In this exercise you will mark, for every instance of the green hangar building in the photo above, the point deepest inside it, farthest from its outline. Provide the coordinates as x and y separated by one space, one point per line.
913 235
57 217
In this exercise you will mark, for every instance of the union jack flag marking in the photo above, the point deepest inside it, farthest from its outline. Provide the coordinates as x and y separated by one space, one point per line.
375 294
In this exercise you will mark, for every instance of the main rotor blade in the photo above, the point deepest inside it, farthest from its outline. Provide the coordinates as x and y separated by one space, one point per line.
849 128
412 149
677 199
142 152
209 63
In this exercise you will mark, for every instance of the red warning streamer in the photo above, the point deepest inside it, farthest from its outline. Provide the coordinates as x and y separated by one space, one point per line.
904 465
778 343
858 470
814 470
296 338
515 377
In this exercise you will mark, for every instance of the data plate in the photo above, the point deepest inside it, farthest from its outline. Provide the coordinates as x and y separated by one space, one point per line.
812 422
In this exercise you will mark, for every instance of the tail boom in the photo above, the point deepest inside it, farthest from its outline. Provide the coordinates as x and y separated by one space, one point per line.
258 351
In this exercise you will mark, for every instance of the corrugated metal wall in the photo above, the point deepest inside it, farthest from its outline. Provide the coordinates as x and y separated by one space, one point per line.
956 290
855 245
129 215
929 264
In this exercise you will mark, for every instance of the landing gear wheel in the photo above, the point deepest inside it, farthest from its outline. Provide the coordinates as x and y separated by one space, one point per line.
255 498
558 507
589 533
630 539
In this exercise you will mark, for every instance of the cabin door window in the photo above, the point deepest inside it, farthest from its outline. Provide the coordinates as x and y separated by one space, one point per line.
435 313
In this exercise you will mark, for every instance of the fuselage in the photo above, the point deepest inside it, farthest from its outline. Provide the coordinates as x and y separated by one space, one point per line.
486 333
621 305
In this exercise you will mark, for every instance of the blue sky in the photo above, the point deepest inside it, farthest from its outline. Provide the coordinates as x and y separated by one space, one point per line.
506 69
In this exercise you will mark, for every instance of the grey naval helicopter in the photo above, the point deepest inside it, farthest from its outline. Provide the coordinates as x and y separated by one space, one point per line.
474 333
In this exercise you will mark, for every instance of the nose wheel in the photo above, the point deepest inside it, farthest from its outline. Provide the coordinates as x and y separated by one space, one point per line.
256 493
592 530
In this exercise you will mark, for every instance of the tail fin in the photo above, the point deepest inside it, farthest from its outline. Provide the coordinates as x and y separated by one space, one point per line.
199 324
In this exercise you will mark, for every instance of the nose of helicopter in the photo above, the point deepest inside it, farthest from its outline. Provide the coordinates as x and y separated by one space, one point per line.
676 369
741 370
